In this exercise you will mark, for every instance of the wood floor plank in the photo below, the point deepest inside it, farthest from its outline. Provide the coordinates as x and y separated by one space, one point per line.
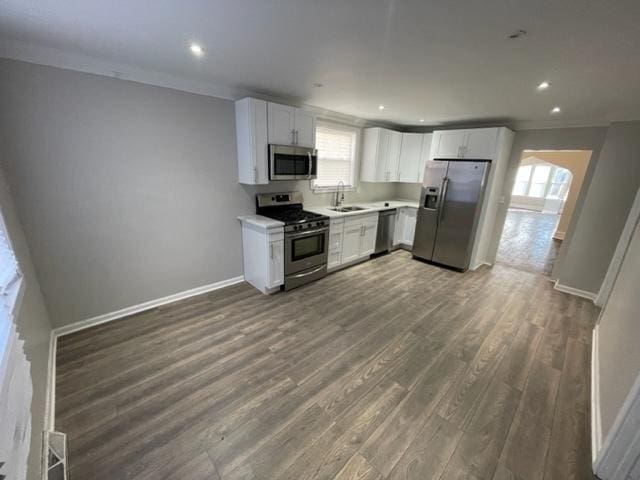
340 379
389 442
525 450
482 442
428 455
357 468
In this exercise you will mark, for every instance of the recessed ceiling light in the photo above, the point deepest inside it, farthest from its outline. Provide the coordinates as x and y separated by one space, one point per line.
422 120
196 49
544 86
380 107
555 110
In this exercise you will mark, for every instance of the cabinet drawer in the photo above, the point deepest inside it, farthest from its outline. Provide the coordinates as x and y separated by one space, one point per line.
276 235
360 219
333 259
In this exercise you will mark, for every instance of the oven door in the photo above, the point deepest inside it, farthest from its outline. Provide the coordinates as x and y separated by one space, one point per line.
292 163
304 250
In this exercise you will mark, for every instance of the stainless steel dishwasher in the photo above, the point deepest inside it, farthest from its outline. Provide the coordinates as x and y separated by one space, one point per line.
386 227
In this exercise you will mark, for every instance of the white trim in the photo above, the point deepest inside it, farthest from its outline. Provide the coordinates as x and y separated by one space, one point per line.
596 420
574 291
480 264
125 312
621 250
621 447
559 235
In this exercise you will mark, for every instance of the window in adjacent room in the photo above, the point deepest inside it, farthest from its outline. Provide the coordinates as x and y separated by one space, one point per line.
337 151
10 278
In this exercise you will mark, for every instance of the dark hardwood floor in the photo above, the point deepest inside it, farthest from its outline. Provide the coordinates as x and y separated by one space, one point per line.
391 369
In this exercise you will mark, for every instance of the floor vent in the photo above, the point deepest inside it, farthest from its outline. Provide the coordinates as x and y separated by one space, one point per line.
55 456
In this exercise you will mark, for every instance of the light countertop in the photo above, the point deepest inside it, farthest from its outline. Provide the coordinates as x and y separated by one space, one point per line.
259 221
267 223
369 206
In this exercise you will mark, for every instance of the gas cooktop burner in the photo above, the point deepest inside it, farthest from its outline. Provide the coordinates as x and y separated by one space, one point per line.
294 216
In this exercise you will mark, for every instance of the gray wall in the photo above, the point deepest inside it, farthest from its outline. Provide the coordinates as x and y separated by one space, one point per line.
127 192
550 139
32 324
611 193
619 337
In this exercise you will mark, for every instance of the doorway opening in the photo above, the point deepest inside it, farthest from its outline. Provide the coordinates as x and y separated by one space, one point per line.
543 198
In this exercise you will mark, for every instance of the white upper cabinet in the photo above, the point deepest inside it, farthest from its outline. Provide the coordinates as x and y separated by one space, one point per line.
291 126
380 155
251 138
393 156
481 143
476 144
305 126
448 143
281 124
409 168
389 156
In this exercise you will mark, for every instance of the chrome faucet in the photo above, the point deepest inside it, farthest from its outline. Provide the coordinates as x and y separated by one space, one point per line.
339 199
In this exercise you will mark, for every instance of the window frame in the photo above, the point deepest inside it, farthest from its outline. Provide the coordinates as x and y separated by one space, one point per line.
355 161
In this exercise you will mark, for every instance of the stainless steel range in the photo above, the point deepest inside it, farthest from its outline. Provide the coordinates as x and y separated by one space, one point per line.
306 237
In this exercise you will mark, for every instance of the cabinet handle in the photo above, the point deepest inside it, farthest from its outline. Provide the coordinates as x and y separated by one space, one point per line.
293 136
255 174
297 135
271 246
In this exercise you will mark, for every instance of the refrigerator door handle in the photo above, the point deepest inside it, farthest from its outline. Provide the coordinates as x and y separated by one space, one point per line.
443 199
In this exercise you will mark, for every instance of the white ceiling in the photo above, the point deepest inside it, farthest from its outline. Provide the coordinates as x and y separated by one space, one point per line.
445 61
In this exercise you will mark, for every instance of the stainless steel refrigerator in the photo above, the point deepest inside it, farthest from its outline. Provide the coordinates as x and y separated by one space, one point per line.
450 205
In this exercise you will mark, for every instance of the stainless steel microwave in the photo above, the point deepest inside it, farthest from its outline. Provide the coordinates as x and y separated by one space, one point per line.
288 162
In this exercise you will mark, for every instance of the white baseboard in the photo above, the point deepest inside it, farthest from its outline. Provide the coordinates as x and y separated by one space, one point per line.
50 405
621 446
575 291
480 264
125 312
559 235
596 421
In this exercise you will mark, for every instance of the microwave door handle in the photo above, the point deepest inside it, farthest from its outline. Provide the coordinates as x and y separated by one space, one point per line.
310 165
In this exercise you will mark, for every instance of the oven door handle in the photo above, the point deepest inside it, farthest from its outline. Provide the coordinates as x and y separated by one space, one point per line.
300 275
307 233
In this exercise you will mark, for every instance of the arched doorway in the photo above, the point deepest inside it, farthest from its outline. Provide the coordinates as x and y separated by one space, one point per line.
542 202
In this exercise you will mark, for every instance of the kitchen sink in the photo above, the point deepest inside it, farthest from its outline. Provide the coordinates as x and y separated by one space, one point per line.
348 209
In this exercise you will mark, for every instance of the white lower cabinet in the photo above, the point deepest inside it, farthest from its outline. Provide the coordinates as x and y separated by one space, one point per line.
351 238
369 234
405 226
351 243
263 254
275 268
336 233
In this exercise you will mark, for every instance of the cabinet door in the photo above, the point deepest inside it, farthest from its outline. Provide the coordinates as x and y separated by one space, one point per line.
281 119
382 155
351 243
335 245
448 143
368 241
409 225
305 126
427 139
276 263
398 233
370 140
393 157
410 157
251 138
481 143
